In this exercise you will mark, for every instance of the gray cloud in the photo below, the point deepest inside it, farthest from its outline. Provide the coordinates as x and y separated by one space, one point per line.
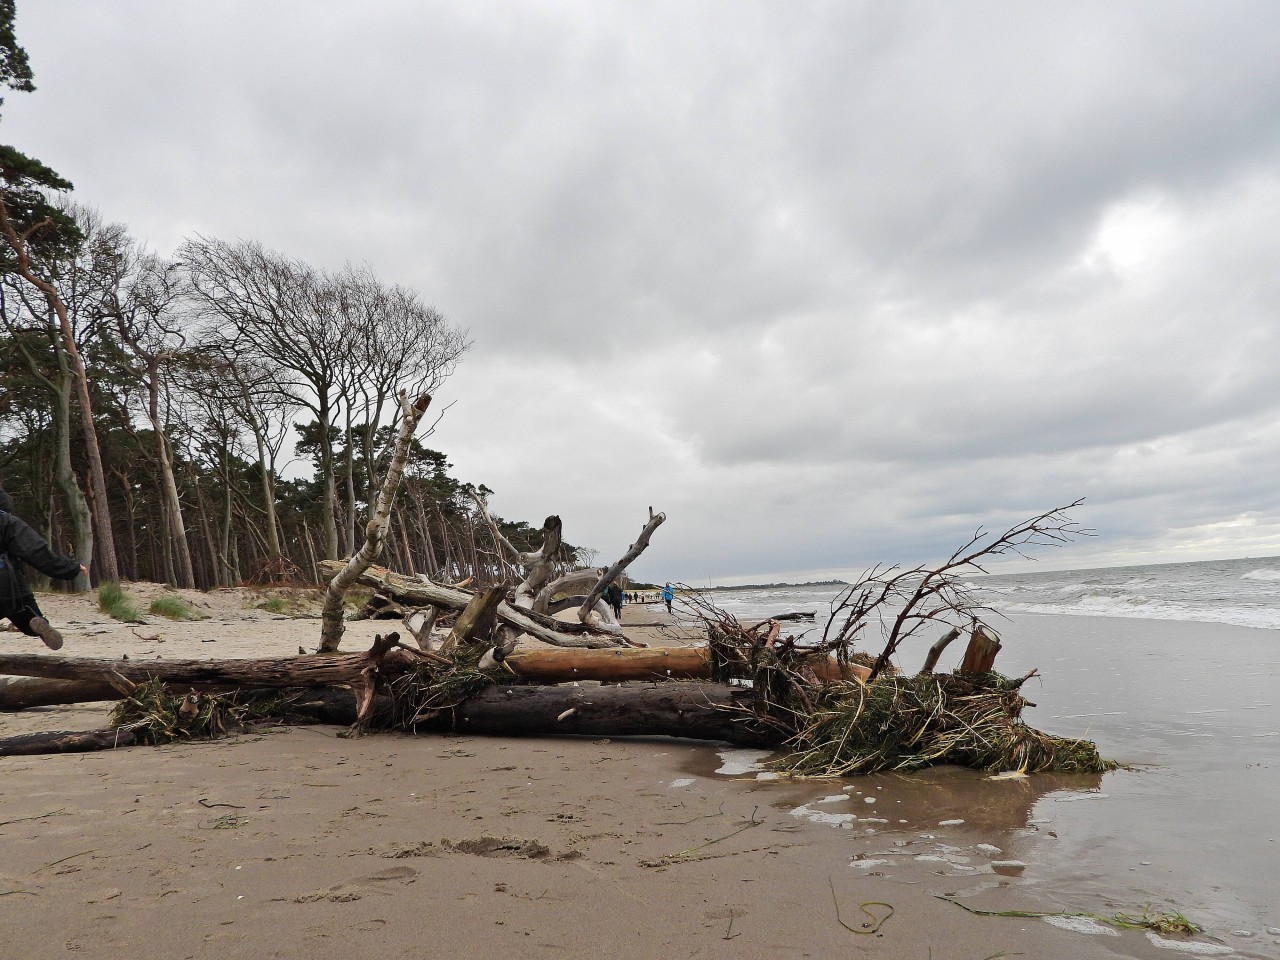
830 283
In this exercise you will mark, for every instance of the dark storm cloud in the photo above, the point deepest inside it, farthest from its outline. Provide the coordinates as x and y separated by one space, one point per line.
828 282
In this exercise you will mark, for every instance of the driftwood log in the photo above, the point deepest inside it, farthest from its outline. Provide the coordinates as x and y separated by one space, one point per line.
363 672
80 680
700 711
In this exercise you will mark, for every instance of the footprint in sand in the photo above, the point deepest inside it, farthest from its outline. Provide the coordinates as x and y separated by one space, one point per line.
357 888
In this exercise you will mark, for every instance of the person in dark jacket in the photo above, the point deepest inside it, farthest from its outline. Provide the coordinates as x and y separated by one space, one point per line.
20 544
613 593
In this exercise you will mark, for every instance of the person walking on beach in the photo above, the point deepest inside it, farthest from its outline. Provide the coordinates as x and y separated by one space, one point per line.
668 595
20 544
613 593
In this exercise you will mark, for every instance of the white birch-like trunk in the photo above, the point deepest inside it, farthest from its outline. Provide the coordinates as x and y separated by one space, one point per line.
331 617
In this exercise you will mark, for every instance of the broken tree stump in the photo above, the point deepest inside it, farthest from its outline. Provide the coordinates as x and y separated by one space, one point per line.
980 655
475 622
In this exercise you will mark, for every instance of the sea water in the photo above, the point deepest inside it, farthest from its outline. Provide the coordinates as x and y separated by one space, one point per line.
1173 670
1244 592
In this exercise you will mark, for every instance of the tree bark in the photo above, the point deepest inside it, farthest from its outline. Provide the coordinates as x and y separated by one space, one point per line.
980 655
81 680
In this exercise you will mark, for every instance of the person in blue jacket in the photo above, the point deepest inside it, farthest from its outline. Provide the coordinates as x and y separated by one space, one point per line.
20 544
668 595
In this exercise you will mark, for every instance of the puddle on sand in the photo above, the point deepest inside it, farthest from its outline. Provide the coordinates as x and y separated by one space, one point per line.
844 820
1189 946
736 762
1082 925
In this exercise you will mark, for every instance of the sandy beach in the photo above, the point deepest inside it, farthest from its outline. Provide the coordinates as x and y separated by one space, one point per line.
295 842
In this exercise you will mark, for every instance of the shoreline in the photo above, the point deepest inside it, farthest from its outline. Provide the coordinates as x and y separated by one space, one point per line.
295 842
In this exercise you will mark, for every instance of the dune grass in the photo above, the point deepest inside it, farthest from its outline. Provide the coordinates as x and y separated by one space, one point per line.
173 608
115 602
275 604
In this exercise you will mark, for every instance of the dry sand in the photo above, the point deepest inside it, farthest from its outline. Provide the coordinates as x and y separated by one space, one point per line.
298 843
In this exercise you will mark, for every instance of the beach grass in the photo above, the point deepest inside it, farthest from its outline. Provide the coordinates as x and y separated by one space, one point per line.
116 602
173 608
276 604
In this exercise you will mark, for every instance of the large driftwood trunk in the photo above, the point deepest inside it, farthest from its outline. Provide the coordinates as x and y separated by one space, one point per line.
699 711
655 663
702 711
64 741
302 671
21 693
80 680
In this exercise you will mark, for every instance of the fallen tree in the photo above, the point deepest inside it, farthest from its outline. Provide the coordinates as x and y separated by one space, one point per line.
833 708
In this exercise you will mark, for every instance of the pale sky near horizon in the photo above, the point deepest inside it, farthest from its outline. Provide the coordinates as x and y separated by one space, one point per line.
828 283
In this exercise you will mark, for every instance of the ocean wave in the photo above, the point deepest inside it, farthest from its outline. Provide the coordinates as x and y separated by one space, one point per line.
1145 609
1264 573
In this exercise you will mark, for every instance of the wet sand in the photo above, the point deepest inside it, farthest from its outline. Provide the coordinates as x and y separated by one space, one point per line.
299 843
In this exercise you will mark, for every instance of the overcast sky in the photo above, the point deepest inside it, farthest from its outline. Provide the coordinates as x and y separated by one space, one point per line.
828 283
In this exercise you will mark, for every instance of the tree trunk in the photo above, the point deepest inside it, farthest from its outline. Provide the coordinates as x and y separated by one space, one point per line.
184 574
87 681
301 671
77 505
376 531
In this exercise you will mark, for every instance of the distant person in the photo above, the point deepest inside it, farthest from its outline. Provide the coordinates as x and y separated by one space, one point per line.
20 544
613 593
668 595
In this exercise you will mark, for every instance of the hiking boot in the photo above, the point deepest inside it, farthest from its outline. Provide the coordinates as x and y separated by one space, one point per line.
46 632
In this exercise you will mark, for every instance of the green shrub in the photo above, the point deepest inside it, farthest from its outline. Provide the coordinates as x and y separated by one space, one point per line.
115 602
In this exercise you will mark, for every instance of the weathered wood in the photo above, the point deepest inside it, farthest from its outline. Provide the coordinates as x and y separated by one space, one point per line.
980 655
20 693
64 741
81 680
417 591
702 711
699 711
475 623
935 651
304 671
655 663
